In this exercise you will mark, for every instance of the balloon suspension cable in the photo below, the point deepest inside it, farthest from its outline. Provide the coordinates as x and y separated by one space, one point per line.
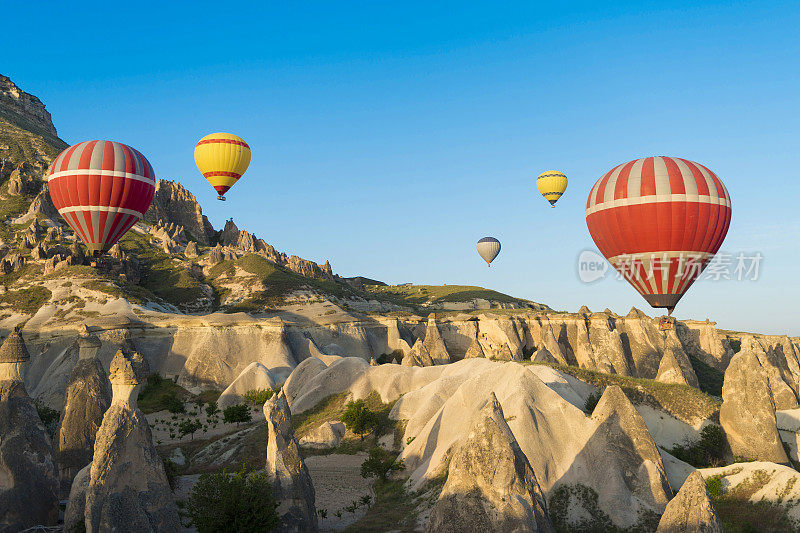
221 198
669 311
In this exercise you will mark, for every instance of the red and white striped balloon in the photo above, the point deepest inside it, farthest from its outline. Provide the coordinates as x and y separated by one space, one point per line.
101 188
659 221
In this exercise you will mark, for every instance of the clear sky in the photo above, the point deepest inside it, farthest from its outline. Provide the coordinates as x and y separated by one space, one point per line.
390 137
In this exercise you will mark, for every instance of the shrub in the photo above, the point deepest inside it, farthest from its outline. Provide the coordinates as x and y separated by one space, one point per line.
706 452
212 409
174 404
591 402
228 503
237 413
358 419
258 396
380 464
188 427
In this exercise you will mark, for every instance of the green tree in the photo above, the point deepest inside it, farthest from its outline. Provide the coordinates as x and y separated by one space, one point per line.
188 427
231 503
358 419
237 413
212 409
380 464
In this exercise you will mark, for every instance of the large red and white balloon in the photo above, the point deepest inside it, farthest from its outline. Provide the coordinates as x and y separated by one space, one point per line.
659 221
101 188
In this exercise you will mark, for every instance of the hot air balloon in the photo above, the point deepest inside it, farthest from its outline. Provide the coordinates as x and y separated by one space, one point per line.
552 185
659 221
101 188
222 158
488 248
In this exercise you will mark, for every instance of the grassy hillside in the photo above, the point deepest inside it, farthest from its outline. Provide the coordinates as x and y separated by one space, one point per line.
414 295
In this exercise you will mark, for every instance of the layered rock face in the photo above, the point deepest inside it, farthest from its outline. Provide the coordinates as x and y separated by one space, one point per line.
747 414
172 203
28 475
15 100
88 397
128 489
691 510
490 484
291 482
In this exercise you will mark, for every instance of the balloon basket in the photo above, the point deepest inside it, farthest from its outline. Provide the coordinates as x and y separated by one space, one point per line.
221 198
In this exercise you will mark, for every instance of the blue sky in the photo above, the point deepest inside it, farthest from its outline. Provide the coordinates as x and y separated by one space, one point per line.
390 137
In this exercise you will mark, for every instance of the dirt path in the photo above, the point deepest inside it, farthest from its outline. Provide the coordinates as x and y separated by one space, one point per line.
337 483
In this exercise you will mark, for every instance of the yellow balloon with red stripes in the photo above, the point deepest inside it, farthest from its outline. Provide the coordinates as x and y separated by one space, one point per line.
222 158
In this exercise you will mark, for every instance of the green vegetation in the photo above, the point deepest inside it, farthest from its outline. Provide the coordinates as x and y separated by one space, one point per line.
231 503
162 275
277 280
591 402
161 394
682 401
49 417
709 451
740 515
586 498
189 427
212 409
28 300
237 413
415 295
258 396
393 510
708 377
358 419
381 464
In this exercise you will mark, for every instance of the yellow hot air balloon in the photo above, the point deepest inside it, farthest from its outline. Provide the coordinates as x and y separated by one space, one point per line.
222 158
552 185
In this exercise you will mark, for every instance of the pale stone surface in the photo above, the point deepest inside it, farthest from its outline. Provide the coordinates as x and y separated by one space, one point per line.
327 435
748 411
691 510
490 484
254 377
291 482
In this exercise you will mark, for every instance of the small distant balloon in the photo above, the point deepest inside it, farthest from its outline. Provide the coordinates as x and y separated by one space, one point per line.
488 248
222 158
101 189
552 185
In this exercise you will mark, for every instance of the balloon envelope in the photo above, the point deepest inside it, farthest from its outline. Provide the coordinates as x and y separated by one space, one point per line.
101 188
659 221
488 248
222 158
552 185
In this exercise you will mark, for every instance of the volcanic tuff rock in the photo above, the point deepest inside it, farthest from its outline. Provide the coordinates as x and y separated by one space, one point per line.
255 377
172 203
747 414
691 510
128 490
490 484
291 482
75 513
28 475
87 399
14 100
327 435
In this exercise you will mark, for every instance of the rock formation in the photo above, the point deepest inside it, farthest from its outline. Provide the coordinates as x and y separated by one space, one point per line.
75 513
434 343
418 356
691 510
28 475
747 414
255 377
291 482
128 489
676 368
490 484
328 435
87 399
172 203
